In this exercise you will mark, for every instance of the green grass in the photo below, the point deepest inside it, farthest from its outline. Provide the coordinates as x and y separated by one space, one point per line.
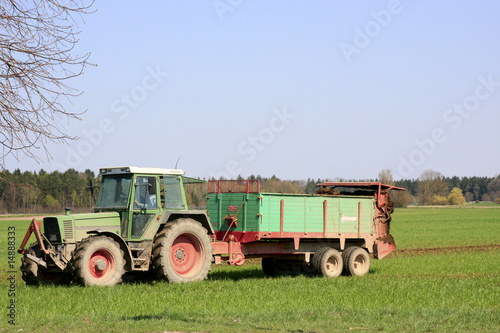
437 227
437 291
483 204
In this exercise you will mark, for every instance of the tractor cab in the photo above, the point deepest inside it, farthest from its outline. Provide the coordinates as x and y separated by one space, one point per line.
140 195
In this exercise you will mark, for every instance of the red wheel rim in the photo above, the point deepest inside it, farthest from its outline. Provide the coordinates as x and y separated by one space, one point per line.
101 264
187 255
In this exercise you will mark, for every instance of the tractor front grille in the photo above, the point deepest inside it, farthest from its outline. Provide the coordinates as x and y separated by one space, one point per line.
68 229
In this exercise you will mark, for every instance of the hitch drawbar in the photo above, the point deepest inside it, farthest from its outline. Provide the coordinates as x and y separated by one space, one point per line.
33 228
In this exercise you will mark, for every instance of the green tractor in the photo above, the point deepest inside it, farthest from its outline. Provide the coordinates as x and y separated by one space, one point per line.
141 223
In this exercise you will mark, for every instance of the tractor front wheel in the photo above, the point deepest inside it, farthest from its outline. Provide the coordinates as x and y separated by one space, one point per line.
182 252
98 261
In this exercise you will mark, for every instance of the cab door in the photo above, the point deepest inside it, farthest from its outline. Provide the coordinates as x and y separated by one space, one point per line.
172 195
144 206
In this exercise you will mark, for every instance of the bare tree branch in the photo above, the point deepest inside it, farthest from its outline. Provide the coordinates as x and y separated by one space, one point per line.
37 41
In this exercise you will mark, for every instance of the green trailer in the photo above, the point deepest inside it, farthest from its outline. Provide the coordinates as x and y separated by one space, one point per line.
338 228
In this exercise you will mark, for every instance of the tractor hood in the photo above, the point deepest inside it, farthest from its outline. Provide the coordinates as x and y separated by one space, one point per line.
75 227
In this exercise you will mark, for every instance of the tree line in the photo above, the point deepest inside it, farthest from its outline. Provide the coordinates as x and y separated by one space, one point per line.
40 192
432 188
43 192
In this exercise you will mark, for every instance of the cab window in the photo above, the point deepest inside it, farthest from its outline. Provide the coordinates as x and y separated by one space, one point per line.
171 192
144 198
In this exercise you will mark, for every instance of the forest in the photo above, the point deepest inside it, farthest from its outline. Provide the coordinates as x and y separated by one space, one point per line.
50 192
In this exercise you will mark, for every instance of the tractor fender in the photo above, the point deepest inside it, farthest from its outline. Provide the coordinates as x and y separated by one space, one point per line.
197 215
123 245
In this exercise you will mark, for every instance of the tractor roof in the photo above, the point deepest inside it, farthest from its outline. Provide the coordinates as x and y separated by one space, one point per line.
132 169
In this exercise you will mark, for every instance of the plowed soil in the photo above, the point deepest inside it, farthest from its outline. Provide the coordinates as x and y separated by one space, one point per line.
448 249
20 218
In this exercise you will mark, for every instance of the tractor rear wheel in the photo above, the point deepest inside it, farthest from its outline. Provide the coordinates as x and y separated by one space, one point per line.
98 261
356 261
182 252
328 262
33 274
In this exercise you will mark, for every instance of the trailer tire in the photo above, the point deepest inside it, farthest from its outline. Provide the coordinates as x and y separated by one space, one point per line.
315 261
98 261
328 262
34 275
357 261
345 259
182 252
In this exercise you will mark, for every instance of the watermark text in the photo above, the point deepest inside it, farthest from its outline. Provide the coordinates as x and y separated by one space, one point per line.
11 275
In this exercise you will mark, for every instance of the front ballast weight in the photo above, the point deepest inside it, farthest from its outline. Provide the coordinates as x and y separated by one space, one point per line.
40 263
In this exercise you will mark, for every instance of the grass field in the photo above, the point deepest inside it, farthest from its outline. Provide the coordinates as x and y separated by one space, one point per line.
444 277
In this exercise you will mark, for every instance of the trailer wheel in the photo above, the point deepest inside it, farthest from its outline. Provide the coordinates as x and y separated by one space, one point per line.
345 259
182 252
357 261
328 262
33 274
98 261
315 261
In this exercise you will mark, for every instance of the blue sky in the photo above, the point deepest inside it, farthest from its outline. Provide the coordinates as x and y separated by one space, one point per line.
298 89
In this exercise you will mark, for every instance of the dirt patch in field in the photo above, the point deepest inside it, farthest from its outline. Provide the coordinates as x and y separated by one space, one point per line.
20 218
447 249
467 206
450 276
439 276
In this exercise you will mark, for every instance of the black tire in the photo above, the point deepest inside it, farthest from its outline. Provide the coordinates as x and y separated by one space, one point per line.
328 262
345 258
98 261
316 259
35 275
182 252
357 262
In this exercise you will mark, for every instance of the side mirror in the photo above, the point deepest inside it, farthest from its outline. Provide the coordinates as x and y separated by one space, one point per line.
152 185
